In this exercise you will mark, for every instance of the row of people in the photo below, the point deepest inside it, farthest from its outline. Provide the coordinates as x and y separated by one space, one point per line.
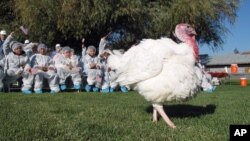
33 65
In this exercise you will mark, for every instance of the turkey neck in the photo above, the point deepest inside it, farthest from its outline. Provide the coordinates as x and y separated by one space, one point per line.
192 43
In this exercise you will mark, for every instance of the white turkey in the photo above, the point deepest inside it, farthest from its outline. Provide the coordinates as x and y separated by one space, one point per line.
160 70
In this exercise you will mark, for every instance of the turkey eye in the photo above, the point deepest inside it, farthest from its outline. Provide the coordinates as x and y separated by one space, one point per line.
188 26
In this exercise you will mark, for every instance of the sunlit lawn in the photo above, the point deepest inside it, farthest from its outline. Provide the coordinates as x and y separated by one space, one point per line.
119 116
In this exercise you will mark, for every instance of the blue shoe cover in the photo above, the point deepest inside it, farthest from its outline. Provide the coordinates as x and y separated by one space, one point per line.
111 90
88 88
105 90
26 91
63 87
77 86
124 89
209 90
214 87
38 91
95 89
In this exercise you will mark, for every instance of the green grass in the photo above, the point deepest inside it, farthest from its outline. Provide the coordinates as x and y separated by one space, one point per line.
117 116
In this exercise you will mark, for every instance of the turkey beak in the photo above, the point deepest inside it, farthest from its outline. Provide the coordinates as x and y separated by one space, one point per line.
194 32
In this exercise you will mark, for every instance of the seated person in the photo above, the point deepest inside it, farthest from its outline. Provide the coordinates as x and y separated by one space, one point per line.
92 70
29 48
2 74
65 68
17 65
56 51
43 67
74 59
109 83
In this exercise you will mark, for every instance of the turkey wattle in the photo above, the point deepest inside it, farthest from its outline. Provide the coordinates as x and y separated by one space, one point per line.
160 70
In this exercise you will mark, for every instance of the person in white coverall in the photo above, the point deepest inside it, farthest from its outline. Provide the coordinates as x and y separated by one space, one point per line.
29 48
109 76
2 39
2 57
74 59
104 68
57 50
44 68
92 70
107 84
2 74
6 45
17 65
65 68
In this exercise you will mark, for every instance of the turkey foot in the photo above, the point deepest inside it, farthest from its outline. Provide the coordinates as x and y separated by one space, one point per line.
160 110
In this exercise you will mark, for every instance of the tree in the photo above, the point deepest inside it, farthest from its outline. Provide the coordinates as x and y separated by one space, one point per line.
7 15
67 21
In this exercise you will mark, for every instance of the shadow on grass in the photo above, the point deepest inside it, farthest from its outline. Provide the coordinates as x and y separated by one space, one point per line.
183 111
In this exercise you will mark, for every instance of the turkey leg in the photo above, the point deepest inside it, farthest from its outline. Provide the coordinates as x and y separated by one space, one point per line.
155 115
161 111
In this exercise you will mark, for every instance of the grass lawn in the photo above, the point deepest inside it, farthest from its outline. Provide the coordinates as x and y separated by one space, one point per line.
118 116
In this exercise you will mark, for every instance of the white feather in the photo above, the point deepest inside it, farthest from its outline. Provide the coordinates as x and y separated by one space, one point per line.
160 70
